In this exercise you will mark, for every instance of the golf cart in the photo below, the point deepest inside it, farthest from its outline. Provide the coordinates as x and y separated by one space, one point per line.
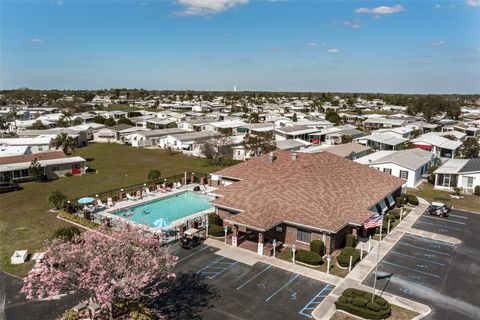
191 238
438 209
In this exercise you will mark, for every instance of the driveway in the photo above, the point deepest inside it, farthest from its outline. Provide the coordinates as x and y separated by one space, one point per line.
216 287
438 274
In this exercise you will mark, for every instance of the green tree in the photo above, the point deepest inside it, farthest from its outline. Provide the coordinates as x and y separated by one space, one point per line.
125 121
470 148
217 149
332 116
36 171
154 176
406 145
99 119
346 138
109 122
254 117
450 137
260 143
65 142
66 233
38 125
294 118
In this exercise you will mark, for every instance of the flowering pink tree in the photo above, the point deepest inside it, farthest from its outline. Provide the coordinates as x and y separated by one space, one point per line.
127 264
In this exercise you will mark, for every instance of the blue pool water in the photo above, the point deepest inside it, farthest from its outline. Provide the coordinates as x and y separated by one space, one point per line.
171 208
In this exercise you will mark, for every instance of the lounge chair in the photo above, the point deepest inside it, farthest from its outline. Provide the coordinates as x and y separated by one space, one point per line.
148 192
100 204
129 197
110 202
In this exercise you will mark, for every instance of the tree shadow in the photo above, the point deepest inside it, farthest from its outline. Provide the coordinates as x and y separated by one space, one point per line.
187 295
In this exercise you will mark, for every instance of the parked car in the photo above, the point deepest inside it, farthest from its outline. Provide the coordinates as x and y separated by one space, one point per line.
438 209
7 187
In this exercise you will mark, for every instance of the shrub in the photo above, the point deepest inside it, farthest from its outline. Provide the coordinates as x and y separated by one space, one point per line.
216 230
22 180
317 246
70 314
215 219
395 213
413 200
68 174
84 222
57 199
154 176
66 233
344 257
90 170
398 202
374 306
477 190
350 241
359 302
308 257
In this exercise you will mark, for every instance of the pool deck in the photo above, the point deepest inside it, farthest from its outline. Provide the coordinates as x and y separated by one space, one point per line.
109 212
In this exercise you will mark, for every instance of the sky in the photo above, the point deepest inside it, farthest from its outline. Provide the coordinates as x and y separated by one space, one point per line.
341 46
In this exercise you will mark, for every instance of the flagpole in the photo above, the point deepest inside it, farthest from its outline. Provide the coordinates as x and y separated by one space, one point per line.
376 265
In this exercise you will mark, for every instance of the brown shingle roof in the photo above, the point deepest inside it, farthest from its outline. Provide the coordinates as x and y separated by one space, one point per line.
320 190
50 155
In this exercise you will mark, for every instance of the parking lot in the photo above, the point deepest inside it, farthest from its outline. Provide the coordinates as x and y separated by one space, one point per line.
227 289
439 274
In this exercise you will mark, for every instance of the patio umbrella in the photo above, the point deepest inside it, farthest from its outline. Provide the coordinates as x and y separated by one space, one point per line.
86 200
161 223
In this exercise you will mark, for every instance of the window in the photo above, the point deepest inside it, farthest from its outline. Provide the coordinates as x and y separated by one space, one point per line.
40 148
387 170
279 229
55 169
404 174
304 236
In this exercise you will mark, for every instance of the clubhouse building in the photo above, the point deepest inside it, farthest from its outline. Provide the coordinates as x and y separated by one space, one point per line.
296 198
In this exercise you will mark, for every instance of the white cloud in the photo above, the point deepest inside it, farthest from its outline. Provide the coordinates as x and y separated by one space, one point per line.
382 9
472 3
355 24
312 45
206 7
36 40
438 43
436 7
333 51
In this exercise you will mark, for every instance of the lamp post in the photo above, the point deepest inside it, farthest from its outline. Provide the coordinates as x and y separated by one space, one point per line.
206 226
293 251
329 258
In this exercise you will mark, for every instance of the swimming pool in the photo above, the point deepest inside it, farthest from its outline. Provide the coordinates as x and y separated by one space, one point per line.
171 208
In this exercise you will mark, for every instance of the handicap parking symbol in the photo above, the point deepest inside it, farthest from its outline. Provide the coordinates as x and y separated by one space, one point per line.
293 296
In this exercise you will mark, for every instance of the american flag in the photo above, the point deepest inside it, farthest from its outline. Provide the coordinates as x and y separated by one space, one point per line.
375 221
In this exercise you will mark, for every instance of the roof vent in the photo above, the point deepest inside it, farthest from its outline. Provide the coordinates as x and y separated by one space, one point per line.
294 156
271 157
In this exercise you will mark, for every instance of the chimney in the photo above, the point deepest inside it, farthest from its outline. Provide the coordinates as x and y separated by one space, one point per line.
271 157
294 156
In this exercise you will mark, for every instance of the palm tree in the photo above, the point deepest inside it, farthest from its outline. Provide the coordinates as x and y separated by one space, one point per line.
65 142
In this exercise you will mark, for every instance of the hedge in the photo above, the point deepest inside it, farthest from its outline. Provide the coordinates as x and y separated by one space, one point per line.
217 231
308 257
214 219
411 199
477 191
395 213
317 246
359 303
350 240
344 257
66 233
81 221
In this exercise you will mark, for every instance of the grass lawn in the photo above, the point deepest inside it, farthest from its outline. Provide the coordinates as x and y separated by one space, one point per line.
426 191
398 313
25 222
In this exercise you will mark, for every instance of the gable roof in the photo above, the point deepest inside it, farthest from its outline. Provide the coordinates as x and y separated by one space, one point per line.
410 158
472 165
29 157
320 190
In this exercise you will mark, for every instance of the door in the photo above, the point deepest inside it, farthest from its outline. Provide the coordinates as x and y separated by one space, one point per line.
467 184
76 169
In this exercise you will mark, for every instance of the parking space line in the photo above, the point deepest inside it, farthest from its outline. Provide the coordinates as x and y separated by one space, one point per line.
216 273
444 220
192 254
457 216
254 277
224 270
439 225
434 251
443 243
283 287
406 255
313 301
414 270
